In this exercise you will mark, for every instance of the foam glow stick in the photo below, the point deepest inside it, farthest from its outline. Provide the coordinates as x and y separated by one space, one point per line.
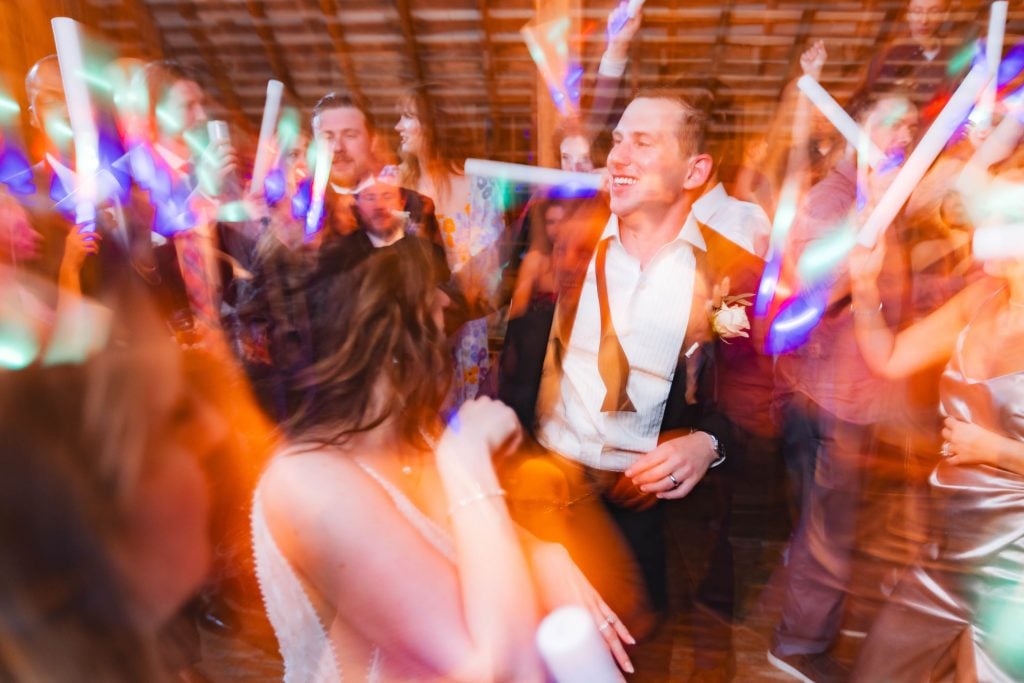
573 648
634 7
993 55
264 153
945 124
535 175
321 174
995 242
83 127
846 126
552 65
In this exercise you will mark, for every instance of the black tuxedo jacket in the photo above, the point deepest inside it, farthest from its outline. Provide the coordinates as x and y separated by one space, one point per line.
340 253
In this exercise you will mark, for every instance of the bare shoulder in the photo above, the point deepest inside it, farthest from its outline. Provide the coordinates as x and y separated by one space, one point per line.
304 492
972 297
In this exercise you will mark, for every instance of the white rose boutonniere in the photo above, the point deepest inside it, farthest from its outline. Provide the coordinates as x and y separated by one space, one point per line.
729 322
728 314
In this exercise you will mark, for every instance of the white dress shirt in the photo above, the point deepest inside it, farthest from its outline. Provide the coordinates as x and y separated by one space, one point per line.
650 308
743 223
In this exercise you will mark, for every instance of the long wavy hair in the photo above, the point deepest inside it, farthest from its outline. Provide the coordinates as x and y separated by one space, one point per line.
378 353
440 157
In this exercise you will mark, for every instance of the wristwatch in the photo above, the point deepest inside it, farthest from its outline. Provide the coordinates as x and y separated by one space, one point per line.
717 445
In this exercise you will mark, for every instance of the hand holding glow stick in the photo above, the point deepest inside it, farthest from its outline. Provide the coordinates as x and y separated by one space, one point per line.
846 126
534 175
321 174
264 151
83 127
927 150
573 649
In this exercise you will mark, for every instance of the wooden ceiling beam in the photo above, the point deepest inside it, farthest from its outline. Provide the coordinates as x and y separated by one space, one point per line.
275 57
152 44
487 61
721 37
411 46
190 13
340 46
799 43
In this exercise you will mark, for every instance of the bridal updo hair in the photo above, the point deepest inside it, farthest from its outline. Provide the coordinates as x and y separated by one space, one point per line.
377 351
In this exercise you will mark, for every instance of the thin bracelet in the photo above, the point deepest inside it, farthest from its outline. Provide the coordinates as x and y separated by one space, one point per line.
870 311
475 498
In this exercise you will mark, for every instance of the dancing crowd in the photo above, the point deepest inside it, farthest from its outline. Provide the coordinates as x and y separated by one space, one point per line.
378 415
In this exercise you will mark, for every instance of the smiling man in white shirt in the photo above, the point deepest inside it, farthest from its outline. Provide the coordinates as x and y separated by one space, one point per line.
619 403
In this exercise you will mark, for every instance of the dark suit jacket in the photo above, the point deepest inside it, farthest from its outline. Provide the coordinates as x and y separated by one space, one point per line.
340 253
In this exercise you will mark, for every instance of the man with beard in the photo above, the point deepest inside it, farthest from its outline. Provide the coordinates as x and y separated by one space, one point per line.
348 129
383 223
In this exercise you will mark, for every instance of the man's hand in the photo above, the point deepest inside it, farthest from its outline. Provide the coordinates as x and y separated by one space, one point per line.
218 169
685 458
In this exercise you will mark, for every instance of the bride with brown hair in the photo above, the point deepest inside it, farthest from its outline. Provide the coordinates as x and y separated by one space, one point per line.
383 543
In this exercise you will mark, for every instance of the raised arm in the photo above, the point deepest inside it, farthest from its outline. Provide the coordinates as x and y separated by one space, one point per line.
922 345
621 29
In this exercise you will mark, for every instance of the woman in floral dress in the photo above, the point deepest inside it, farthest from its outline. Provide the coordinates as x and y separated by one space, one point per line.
470 213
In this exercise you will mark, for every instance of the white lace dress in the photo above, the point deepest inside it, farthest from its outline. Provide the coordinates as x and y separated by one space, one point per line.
307 649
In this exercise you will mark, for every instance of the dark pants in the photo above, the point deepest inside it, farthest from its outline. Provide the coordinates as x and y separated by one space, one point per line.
823 456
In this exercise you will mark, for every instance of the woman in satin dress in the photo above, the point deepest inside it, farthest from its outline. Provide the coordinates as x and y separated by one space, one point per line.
964 597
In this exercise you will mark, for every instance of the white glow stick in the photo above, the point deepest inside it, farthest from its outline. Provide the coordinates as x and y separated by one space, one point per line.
995 242
927 150
993 55
634 7
838 117
573 649
264 151
535 175
83 127
321 174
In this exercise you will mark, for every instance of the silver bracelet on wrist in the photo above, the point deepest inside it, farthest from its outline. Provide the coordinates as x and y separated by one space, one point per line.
475 498
868 312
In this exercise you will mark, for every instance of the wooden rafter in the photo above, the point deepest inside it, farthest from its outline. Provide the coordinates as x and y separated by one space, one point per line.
342 51
188 11
721 37
278 65
411 46
152 43
889 21
799 42
488 68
